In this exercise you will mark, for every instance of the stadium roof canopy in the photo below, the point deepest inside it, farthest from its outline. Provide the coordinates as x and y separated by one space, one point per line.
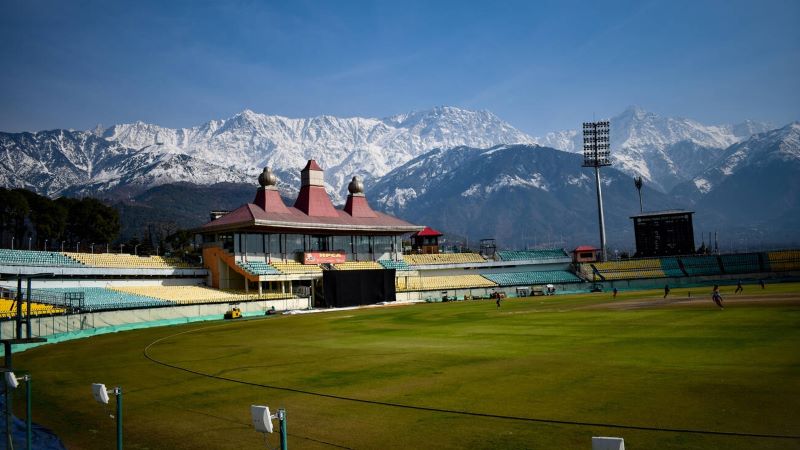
311 212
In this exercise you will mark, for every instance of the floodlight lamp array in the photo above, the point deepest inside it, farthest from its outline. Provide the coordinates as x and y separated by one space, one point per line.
596 144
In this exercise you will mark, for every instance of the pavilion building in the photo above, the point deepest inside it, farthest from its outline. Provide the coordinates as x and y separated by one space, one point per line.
267 245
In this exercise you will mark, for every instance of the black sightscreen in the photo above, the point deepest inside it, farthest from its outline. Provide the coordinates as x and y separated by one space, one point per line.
358 287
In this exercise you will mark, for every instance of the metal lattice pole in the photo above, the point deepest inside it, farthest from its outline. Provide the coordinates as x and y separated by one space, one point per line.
596 150
601 216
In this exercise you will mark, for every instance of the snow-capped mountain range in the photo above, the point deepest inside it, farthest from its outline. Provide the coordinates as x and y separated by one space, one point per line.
414 162
137 156
344 147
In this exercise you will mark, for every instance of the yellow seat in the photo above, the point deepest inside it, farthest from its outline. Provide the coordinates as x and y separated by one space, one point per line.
6 310
784 260
294 267
198 294
123 260
629 269
442 283
443 258
358 265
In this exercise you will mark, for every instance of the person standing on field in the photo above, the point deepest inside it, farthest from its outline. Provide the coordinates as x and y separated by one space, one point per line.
739 287
717 297
666 290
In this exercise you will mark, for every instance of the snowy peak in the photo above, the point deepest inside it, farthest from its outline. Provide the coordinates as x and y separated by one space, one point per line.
454 126
446 114
50 161
666 151
636 128
345 147
779 147
790 140
781 144
139 135
748 128
637 112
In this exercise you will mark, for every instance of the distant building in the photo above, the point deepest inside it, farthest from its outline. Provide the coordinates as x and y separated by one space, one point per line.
664 233
585 254
426 241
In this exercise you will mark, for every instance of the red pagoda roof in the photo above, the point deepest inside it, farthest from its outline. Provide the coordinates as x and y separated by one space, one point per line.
312 210
251 215
428 232
314 201
312 165
357 206
270 200
585 248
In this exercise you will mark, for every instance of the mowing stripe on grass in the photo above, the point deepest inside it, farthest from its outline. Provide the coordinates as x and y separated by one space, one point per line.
447 411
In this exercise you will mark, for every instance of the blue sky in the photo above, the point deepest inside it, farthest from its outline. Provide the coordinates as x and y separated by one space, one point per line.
542 66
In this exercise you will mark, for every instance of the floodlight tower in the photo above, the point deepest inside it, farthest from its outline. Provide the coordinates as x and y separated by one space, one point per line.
596 150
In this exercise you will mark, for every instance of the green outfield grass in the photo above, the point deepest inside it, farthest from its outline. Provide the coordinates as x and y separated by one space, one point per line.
567 358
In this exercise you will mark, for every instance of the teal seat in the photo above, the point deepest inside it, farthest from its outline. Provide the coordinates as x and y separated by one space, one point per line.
522 255
396 265
532 277
259 268
744 263
701 265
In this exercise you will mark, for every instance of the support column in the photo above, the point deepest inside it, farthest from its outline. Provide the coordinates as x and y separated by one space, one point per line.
600 214
19 308
7 391
28 311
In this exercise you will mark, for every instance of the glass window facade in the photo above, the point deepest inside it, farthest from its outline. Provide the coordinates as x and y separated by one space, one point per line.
363 246
382 244
319 243
274 247
342 244
292 246
253 244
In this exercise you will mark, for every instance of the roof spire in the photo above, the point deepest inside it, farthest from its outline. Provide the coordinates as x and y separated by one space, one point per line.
267 197
267 179
357 205
356 186
312 199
